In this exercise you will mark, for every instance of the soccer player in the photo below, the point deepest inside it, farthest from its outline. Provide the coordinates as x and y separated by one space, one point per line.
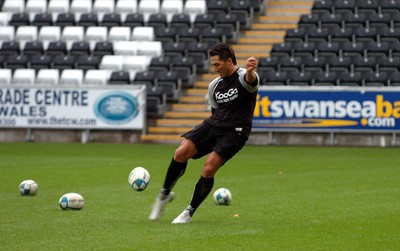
232 96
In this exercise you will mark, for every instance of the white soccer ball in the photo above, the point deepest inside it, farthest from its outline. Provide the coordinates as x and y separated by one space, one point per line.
28 187
222 196
139 178
73 201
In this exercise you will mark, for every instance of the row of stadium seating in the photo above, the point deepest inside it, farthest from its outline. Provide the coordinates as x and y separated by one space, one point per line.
66 42
346 43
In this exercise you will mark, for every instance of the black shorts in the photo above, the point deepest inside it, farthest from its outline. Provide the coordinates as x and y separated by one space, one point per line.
207 138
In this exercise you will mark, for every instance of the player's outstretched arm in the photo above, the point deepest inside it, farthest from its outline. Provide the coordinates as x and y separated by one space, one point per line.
251 67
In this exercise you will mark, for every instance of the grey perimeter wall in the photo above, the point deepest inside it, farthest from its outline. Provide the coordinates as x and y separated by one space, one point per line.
256 138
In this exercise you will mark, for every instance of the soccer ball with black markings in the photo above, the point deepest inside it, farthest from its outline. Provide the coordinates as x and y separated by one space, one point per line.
73 201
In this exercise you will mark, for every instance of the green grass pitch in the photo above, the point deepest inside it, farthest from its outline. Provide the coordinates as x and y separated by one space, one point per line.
288 198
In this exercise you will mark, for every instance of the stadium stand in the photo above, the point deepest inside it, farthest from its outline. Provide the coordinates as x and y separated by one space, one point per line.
357 40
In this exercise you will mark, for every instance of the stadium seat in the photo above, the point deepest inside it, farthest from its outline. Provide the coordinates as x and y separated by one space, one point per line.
117 33
65 19
148 7
24 76
5 76
376 79
136 63
79 7
87 62
103 48
327 78
217 6
143 34
125 47
150 48
110 20
174 48
26 33
73 33
49 34
58 6
112 62
40 62
48 76
10 48
180 20
165 34
5 18
33 48
162 63
119 78
171 7
57 48
80 48
96 77
103 6
185 34
273 77
64 62
204 20
19 19
158 20
87 20
71 77
133 20
147 78
350 78
42 19
7 33
96 34
14 6
193 8
36 6
16 62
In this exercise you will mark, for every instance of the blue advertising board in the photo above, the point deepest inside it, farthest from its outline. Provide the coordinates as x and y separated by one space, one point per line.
327 109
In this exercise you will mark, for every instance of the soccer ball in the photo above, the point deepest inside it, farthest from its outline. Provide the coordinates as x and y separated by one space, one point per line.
222 196
73 201
28 187
139 178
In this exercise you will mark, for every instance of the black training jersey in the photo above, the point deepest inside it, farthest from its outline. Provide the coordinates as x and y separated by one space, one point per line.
232 100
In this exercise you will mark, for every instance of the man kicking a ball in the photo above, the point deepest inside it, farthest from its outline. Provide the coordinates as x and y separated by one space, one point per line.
232 97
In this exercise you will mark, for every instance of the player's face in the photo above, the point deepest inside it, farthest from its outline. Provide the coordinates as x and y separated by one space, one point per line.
220 67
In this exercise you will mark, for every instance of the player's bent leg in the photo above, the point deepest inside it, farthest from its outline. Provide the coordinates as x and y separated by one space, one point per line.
159 205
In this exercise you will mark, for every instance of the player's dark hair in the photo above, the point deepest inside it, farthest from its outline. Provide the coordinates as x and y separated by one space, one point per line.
224 52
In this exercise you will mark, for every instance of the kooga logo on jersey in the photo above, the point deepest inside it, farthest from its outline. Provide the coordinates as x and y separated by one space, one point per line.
231 94
116 107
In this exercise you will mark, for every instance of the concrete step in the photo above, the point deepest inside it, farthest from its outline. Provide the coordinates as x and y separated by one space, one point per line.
167 130
197 91
189 107
186 115
160 138
193 100
178 122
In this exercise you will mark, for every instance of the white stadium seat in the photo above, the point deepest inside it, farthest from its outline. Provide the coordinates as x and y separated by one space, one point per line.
125 7
148 7
136 63
58 6
150 48
96 77
125 47
81 6
171 7
14 6
26 33
48 76
73 33
112 62
103 6
24 76
118 33
143 33
36 6
7 33
5 76
50 33
71 77
194 7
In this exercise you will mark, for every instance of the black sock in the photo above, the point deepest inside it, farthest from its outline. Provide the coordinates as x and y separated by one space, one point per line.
175 171
201 190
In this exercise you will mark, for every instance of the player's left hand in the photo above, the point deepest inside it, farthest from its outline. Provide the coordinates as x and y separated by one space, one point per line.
251 64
